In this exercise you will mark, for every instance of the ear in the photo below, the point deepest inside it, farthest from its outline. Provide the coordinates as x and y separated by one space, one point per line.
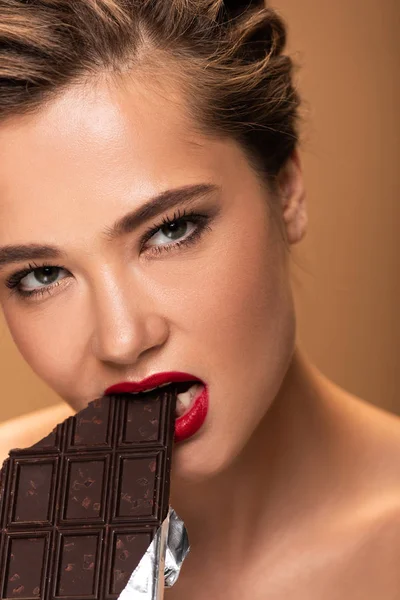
291 184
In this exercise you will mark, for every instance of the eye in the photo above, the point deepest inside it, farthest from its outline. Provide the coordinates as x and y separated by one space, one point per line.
44 276
177 232
173 231
36 279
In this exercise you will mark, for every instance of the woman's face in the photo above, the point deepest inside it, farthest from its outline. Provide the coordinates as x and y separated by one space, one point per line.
120 308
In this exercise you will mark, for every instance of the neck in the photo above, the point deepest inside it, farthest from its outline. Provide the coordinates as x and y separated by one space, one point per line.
269 483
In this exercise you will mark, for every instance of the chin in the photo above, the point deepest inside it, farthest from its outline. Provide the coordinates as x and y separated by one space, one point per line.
199 460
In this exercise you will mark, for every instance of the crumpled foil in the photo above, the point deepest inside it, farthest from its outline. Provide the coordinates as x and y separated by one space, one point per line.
162 562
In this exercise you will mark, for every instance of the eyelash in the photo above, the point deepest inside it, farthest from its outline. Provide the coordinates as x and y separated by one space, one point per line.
201 220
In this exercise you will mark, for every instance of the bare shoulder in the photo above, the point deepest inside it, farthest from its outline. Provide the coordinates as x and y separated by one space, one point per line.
356 551
369 563
369 526
368 435
26 430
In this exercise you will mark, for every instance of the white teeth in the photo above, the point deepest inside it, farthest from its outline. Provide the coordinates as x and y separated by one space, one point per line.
180 409
185 398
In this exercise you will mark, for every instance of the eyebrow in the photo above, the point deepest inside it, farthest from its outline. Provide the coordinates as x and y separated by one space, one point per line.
157 205
127 224
18 253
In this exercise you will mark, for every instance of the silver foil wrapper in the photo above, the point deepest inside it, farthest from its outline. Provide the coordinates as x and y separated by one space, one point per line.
162 562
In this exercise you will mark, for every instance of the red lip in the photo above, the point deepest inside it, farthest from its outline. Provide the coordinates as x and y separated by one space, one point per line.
189 423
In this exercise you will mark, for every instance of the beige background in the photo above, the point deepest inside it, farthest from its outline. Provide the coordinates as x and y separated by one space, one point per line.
346 273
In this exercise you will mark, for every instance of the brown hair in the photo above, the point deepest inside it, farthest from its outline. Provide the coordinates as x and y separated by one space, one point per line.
227 54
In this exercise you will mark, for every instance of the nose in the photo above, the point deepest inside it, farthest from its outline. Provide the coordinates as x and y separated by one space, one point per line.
126 324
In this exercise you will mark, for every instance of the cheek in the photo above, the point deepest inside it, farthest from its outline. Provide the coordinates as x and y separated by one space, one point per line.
244 326
251 334
240 300
47 345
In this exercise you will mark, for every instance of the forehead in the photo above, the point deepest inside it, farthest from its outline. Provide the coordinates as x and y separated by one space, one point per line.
104 141
93 127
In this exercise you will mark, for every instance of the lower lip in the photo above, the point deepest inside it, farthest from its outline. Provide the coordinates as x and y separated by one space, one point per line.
189 424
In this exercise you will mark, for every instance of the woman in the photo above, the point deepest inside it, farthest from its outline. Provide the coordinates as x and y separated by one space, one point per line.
151 191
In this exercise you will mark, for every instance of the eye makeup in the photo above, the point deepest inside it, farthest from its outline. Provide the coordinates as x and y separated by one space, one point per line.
200 224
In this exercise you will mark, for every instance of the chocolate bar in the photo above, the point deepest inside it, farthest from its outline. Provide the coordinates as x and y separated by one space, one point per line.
79 509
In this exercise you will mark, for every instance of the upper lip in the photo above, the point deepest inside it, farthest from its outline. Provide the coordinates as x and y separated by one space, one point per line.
150 382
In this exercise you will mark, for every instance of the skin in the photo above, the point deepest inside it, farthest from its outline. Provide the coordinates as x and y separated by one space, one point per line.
266 487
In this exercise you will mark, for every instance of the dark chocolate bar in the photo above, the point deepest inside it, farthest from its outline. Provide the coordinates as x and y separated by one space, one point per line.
79 509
